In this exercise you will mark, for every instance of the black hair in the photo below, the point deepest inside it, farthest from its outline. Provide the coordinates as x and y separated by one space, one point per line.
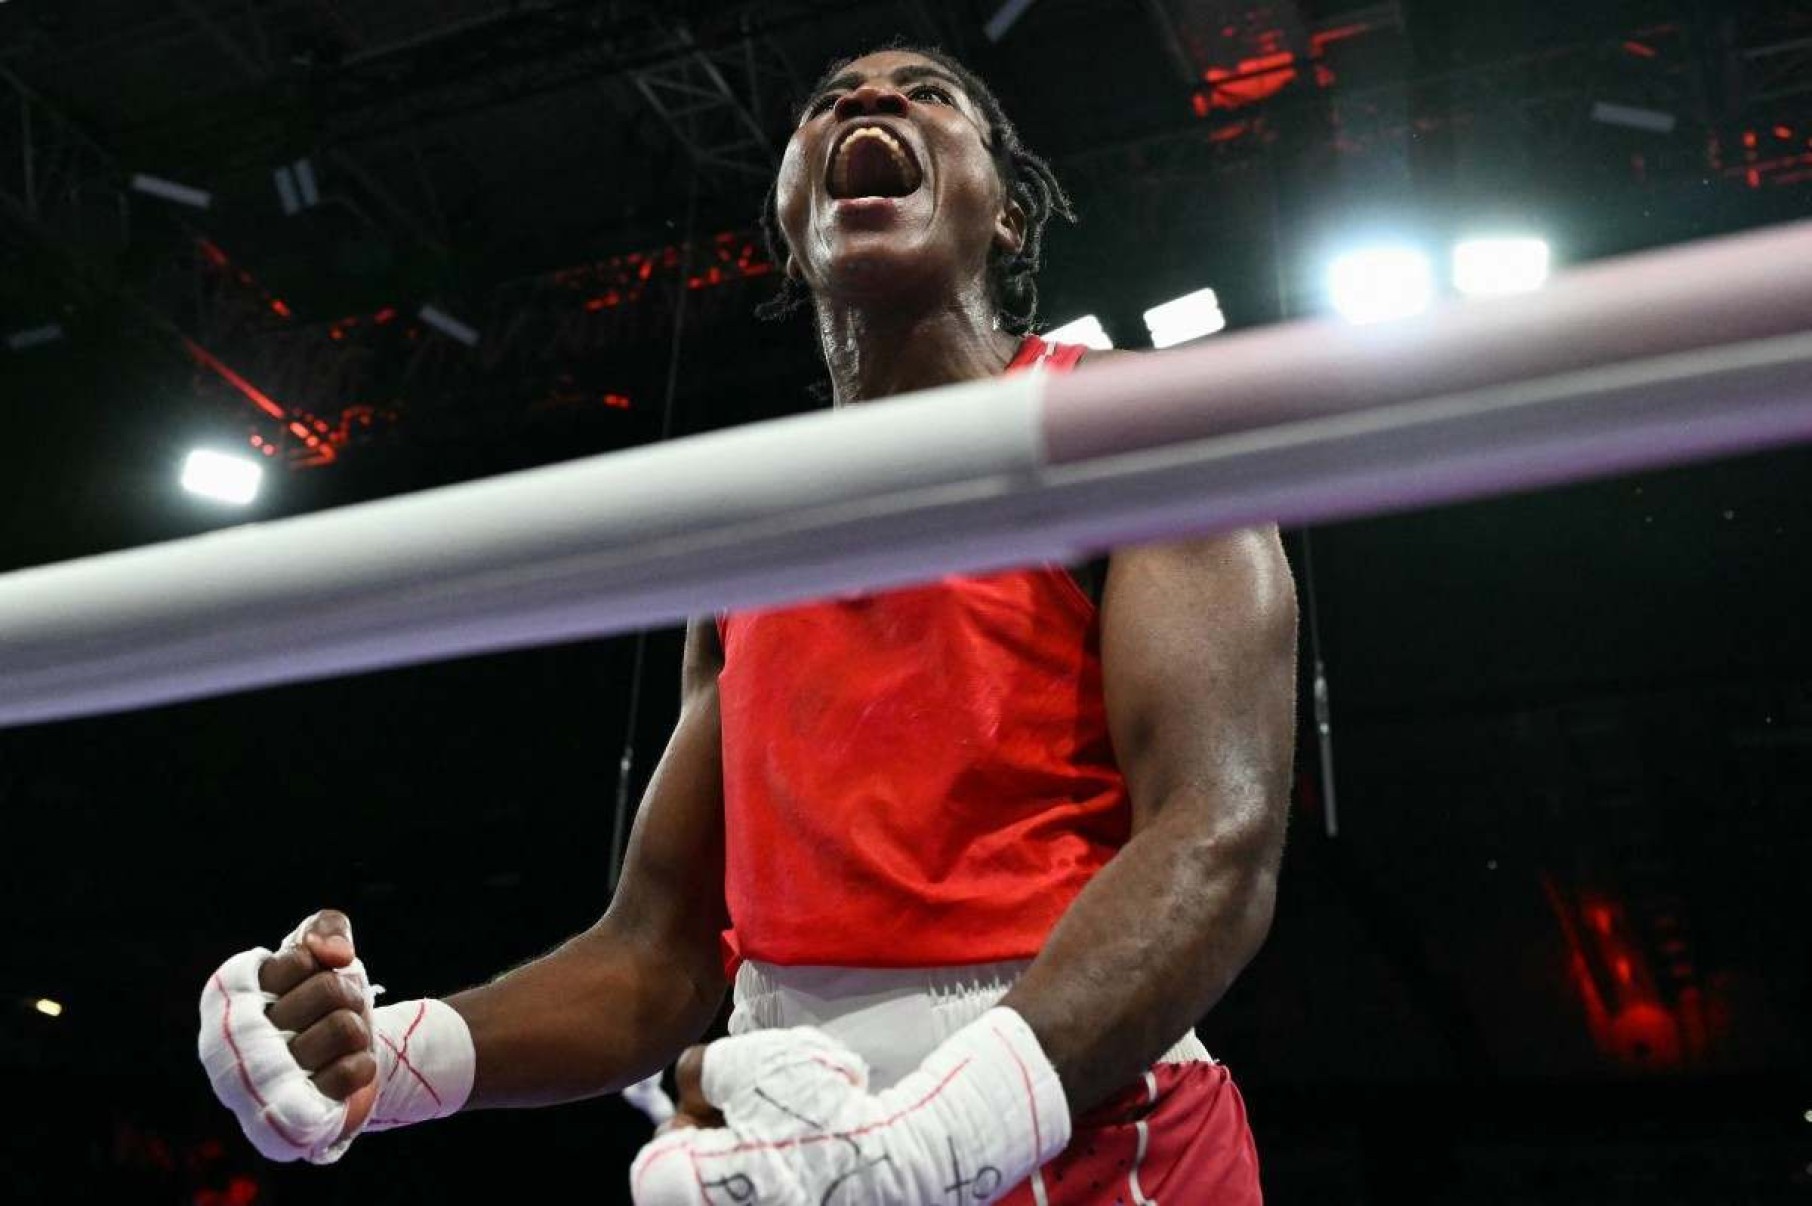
1028 180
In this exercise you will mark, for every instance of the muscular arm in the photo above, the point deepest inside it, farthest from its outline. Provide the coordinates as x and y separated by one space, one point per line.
620 1000
1198 647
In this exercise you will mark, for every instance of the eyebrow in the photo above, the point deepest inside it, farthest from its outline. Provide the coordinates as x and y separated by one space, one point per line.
905 74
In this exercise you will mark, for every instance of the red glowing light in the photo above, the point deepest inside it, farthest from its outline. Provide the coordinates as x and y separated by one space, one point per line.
1645 1034
1253 80
300 430
1601 918
384 315
280 306
1753 178
251 392
1749 139
616 401
240 1191
1783 132
1640 50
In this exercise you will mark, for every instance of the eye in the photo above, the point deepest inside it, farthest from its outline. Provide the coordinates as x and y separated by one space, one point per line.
820 104
932 91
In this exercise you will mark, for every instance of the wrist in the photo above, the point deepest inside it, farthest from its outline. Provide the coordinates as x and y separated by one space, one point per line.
991 1086
426 1062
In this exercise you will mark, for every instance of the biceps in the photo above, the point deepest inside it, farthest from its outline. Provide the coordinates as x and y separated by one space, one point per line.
1198 653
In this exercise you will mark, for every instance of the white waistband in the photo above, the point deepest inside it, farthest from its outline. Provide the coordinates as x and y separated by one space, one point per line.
892 1017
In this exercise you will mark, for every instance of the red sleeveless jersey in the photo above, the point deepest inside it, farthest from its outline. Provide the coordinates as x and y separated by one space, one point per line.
920 777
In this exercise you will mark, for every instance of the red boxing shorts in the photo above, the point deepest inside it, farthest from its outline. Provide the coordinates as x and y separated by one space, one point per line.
1178 1136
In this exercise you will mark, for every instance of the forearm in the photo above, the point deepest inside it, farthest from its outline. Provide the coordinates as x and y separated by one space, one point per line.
1147 948
595 1014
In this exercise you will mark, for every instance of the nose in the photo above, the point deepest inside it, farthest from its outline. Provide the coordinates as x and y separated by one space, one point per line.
869 99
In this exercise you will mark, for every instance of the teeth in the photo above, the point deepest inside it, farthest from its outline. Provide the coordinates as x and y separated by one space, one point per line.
840 170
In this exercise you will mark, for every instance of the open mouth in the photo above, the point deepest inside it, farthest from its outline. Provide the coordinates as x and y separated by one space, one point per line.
870 162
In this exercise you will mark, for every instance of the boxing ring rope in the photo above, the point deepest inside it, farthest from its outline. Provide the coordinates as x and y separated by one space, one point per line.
1659 359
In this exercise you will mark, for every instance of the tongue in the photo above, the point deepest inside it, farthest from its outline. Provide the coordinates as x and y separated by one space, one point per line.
874 172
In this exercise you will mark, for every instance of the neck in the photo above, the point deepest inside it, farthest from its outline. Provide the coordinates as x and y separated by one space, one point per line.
878 351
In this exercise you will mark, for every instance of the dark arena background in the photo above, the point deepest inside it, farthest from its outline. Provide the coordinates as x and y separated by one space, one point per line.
1544 941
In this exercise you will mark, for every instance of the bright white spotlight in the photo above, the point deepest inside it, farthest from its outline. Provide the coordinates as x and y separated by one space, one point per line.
225 478
1498 267
48 1007
1381 283
1190 316
1086 331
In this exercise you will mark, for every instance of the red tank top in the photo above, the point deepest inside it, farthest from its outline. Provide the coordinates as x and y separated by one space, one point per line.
920 777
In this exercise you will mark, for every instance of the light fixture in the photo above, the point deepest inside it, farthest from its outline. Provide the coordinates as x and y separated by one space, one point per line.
1086 331
48 1007
169 190
215 475
449 326
1652 121
296 187
1377 284
1500 266
1190 316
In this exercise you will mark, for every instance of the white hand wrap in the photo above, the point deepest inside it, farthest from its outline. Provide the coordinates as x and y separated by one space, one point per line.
648 1096
801 1128
423 1049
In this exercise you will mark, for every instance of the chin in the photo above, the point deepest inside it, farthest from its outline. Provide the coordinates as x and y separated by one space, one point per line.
876 269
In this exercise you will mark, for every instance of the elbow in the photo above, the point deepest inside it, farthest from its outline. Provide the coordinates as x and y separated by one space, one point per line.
1243 860
1260 911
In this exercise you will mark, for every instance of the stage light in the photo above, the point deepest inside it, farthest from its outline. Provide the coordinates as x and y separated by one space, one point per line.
169 190
48 1007
1188 317
449 326
1378 284
215 475
1086 331
296 188
1497 267
1651 121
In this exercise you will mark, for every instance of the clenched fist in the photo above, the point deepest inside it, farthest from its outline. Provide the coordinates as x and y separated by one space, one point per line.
293 1047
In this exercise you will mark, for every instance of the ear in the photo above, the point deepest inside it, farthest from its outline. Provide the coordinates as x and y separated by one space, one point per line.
1010 228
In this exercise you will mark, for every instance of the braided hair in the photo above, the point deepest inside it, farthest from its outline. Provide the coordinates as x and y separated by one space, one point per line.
1027 179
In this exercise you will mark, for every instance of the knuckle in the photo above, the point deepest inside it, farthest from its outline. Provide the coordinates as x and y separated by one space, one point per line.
282 971
349 1030
346 1076
341 992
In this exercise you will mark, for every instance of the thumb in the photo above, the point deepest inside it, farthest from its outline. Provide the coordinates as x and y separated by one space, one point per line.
328 937
800 1061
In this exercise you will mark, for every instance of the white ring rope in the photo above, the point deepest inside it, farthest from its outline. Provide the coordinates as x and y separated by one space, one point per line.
1656 360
